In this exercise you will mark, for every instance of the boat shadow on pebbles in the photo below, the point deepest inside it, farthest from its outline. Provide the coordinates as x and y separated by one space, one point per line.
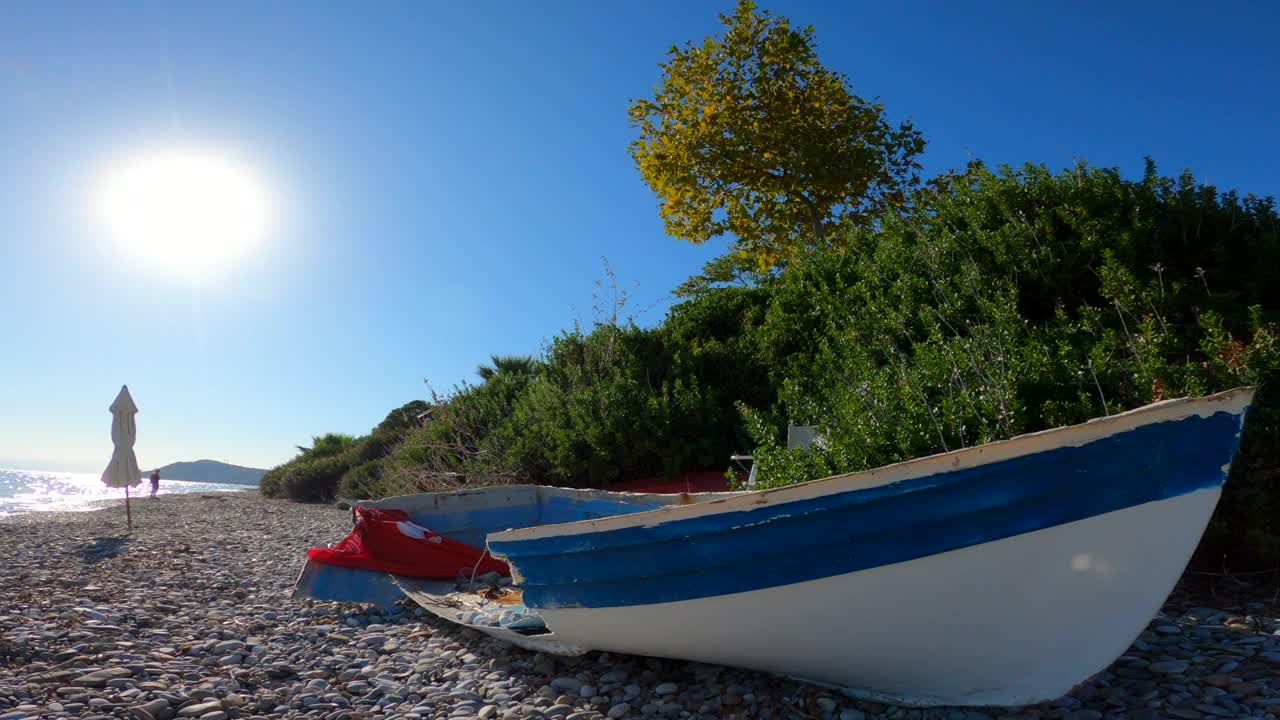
102 548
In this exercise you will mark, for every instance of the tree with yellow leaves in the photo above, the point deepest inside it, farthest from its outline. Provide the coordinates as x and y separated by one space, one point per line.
749 134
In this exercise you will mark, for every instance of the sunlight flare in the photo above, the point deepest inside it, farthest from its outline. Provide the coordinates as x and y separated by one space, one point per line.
184 209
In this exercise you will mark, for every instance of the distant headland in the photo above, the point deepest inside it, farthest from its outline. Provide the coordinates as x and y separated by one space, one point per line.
210 471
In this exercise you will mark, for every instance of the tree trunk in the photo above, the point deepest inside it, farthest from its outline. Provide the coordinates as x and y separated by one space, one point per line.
819 234
815 219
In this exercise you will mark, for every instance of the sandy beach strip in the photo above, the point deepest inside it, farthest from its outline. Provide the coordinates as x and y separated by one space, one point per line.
189 616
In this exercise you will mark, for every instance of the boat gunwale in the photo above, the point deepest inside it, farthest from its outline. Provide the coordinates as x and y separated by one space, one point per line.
396 501
977 455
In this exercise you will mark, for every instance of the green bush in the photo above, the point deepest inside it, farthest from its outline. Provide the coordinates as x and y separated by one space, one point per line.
1011 302
314 479
712 339
366 480
614 403
402 419
609 405
315 474
271 484
461 439
327 445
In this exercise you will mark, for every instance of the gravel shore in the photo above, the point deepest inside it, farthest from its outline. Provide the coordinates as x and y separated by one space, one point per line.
189 616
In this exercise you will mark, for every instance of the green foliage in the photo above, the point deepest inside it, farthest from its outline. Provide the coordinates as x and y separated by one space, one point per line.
371 479
612 404
314 479
507 364
403 418
733 269
461 440
271 484
1013 301
617 402
342 464
749 134
712 339
327 445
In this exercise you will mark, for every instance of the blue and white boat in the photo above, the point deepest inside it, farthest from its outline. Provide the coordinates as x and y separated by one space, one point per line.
1002 574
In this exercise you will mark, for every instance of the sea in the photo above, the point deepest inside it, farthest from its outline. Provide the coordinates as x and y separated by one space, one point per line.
24 491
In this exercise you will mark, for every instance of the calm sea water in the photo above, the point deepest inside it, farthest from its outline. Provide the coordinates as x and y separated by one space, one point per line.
33 491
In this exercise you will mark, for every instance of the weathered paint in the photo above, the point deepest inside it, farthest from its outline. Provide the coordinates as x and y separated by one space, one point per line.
342 584
788 542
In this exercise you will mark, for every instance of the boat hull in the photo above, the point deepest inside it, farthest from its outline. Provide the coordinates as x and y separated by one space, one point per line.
1002 574
1011 622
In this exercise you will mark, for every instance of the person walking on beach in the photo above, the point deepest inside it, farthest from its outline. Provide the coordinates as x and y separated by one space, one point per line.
155 482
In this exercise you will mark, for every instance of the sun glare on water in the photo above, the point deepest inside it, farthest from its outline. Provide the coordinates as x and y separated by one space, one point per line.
184 210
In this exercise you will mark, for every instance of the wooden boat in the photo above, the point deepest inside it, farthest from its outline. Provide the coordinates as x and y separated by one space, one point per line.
1002 574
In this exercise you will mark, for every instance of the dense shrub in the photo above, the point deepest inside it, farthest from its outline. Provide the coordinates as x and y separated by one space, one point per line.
367 480
612 404
461 440
712 338
271 484
316 473
1015 301
314 479
327 445
403 419
609 404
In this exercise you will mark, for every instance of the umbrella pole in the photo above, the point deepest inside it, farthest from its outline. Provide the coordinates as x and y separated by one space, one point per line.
128 512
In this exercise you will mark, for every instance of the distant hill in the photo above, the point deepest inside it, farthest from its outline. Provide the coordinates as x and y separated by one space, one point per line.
209 471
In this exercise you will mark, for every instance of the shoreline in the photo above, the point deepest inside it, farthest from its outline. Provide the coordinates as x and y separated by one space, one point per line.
190 616
143 492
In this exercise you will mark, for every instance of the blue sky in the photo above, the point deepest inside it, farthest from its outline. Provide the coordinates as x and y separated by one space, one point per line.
449 178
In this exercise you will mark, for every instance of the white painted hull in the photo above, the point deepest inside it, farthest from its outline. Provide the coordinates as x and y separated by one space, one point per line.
1010 622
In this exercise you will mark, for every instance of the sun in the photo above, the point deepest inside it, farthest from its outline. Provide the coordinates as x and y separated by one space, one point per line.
184 209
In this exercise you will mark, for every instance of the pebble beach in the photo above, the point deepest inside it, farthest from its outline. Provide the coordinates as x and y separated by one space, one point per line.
189 615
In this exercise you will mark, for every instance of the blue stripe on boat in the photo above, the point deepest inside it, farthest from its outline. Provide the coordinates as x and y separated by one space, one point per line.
791 542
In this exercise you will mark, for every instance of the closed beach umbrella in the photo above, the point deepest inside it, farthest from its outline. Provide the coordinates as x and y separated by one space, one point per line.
123 470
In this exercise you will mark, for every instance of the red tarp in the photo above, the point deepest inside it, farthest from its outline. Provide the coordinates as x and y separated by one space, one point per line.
388 541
